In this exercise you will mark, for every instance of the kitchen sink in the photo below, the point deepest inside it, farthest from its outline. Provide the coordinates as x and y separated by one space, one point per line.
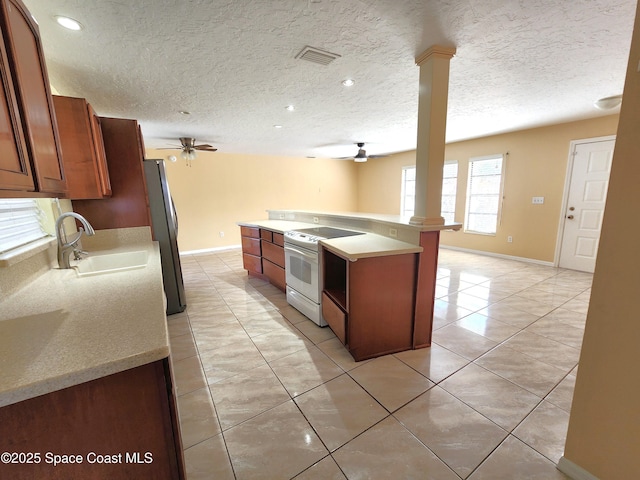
111 262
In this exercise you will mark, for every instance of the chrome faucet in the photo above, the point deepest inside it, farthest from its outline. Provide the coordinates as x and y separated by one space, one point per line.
65 247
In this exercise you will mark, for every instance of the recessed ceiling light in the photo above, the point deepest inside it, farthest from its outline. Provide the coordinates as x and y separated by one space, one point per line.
348 82
277 126
290 108
69 23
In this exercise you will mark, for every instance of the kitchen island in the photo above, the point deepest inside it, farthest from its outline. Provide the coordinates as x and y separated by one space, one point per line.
85 373
377 287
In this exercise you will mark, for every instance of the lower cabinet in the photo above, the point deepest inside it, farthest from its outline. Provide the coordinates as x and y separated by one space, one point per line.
263 254
370 303
121 426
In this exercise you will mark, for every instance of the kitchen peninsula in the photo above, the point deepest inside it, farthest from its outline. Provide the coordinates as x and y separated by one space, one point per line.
375 281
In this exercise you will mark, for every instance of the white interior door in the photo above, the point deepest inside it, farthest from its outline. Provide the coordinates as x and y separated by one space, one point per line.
583 212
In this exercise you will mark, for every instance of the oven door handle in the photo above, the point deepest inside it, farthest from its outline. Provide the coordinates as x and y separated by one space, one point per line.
299 252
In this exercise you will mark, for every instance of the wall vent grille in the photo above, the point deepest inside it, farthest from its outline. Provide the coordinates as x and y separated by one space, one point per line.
315 55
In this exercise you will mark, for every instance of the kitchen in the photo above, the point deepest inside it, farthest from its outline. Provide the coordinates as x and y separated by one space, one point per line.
322 183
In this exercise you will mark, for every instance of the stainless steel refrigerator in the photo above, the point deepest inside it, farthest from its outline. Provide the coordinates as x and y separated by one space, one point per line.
165 231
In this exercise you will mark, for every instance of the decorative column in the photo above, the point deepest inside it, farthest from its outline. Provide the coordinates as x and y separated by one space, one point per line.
432 120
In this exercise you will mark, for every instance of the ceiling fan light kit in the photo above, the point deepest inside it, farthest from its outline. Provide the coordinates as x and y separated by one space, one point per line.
608 103
189 148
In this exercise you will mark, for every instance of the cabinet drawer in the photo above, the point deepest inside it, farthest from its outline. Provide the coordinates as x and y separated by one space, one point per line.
252 263
278 239
253 232
275 273
266 235
251 246
335 317
273 253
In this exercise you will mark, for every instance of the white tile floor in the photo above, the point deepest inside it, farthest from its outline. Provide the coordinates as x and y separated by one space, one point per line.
265 393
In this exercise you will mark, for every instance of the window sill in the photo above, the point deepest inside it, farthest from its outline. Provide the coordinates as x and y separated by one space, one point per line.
19 254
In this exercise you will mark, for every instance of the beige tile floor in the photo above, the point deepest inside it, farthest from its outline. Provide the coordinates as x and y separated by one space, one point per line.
264 393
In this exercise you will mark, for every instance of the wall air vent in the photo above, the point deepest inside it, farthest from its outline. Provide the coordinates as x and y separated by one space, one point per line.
316 55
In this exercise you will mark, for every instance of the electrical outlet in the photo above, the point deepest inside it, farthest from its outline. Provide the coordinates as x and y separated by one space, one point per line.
537 200
221 234
509 239
281 216
315 220
393 232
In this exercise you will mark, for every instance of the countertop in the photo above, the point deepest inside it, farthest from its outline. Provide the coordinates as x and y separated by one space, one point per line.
61 330
352 248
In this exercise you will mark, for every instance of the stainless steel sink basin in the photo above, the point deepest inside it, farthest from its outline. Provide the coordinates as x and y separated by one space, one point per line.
111 262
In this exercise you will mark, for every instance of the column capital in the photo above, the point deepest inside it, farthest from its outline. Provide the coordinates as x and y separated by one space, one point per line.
437 51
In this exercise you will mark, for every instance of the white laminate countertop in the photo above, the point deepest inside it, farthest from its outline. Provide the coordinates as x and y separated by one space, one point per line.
61 330
279 226
367 246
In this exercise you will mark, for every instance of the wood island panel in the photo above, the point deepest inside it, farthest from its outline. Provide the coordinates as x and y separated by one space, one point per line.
380 305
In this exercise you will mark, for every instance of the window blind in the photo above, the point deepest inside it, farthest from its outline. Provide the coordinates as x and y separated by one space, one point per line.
20 223
449 189
483 195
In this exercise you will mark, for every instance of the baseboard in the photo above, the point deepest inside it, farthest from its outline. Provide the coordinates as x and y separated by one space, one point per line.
498 255
210 250
573 471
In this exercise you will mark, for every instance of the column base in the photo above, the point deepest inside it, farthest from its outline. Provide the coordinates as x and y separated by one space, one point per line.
426 221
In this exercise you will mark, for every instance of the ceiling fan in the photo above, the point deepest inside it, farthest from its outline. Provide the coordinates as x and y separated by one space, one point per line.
189 147
362 156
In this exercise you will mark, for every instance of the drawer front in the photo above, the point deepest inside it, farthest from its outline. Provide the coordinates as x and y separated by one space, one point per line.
273 253
275 274
252 263
251 246
266 235
253 232
335 317
278 239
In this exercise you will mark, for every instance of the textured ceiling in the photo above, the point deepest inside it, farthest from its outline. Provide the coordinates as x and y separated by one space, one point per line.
519 64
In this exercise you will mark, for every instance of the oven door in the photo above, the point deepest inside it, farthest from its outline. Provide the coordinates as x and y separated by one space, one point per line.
301 271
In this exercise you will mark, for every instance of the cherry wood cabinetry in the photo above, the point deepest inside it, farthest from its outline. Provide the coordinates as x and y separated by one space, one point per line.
129 418
83 154
370 303
263 254
251 252
30 157
128 205
273 257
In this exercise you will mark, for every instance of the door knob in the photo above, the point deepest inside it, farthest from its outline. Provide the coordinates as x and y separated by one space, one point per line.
570 217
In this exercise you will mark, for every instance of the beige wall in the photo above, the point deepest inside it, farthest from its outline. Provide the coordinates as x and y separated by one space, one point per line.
221 189
536 166
604 428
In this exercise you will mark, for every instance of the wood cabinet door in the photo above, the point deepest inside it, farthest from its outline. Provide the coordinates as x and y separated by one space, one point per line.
26 58
15 171
98 146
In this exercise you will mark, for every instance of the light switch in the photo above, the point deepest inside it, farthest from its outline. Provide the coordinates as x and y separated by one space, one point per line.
537 200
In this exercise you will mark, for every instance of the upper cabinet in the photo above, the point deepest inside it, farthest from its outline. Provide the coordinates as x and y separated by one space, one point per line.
83 154
29 144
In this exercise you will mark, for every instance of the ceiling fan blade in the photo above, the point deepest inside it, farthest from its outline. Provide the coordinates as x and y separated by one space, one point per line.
377 156
206 145
170 148
207 148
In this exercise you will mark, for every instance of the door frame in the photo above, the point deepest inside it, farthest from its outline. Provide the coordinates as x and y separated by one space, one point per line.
567 183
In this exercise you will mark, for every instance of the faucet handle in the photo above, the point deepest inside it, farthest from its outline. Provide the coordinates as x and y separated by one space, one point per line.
78 254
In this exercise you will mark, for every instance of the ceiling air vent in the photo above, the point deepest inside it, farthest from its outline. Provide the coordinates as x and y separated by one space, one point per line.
316 55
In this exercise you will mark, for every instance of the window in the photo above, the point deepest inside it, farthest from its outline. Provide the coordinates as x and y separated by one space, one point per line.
408 191
484 192
449 189
20 223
